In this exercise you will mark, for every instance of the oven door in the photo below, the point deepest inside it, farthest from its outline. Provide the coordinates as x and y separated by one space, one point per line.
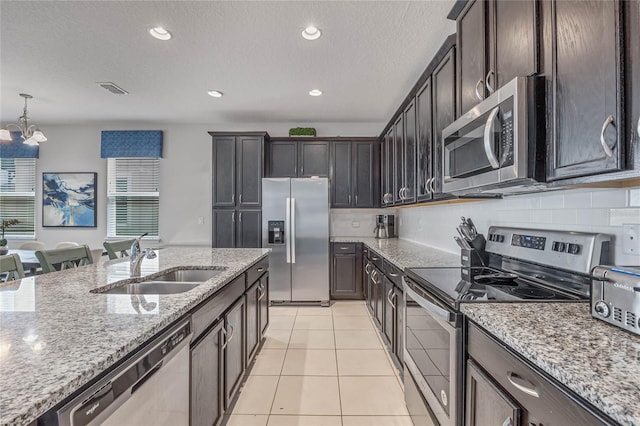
433 352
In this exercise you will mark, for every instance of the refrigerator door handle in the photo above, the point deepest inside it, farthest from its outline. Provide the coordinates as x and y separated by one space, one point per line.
293 230
287 230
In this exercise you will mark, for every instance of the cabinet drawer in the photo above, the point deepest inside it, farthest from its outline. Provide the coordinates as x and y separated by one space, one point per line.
393 273
344 248
376 259
209 311
542 399
257 270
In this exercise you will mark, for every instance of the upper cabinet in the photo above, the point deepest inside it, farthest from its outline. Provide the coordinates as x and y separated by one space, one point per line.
290 158
585 133
497 41
386 169
408 189
237 169
354 174
632 76
424 142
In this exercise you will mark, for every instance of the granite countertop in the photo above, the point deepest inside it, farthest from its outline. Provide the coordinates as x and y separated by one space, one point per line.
405 254
599 362
55 335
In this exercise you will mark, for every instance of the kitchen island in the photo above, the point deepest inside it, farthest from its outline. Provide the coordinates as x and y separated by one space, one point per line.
598 362
56 335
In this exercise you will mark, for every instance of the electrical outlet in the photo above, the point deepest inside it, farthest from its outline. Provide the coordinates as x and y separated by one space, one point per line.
631 238
355 224
200 220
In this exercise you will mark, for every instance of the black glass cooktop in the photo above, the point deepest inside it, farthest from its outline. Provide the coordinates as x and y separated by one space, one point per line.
457 285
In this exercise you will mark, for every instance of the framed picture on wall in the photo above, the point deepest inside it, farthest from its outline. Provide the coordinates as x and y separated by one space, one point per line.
69 200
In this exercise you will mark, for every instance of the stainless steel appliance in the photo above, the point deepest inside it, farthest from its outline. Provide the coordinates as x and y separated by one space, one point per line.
498 146
385 226
150 388
523 265
615 296
295 225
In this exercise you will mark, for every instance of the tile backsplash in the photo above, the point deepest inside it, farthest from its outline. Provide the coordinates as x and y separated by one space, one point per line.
590 210
355 222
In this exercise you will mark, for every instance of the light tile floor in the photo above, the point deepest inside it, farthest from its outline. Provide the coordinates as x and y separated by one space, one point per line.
322 367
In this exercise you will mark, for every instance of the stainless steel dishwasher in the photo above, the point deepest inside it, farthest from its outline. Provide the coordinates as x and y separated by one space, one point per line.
151 388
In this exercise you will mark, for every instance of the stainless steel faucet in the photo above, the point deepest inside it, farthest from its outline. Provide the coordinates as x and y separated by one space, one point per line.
137 256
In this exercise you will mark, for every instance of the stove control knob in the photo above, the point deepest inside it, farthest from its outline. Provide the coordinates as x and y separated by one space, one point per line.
602 309
574 248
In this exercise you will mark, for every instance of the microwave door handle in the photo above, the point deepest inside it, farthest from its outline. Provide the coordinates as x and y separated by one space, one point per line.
488 148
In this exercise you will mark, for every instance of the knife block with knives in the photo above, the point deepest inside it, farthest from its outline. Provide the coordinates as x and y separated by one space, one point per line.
472 244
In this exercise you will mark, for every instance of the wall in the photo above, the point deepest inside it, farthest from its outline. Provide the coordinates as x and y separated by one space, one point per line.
355 222
595 210
185 174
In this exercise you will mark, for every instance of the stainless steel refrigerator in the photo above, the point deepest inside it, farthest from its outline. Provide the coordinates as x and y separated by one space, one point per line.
295 225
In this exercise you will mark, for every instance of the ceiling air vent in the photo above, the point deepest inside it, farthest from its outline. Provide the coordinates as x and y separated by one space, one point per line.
113 88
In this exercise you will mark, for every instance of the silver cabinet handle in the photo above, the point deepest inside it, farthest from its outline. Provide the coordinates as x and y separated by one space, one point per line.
260 269
638 128
489 87
488 149
427 188
519 383
262 291
233 198
507 422
478 95
356 199
607 122
375 258
224 332
374 276
433 185
230 336
391 274
400 193
349 198
367 269
233 217
389 298
240 198
240 217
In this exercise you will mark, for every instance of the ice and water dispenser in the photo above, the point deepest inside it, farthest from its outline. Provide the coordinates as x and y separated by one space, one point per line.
276 231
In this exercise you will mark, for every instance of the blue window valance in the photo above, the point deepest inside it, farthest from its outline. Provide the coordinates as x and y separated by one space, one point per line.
15 148
131 143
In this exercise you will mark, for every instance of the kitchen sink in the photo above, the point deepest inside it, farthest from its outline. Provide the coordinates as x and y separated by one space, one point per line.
178 281
153 287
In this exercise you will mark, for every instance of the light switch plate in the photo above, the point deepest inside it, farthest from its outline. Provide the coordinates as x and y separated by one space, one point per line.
631 239
355 224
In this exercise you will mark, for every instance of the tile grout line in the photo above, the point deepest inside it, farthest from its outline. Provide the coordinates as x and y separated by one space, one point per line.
335 348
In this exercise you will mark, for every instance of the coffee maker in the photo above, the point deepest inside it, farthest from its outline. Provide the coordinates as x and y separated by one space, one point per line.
385 226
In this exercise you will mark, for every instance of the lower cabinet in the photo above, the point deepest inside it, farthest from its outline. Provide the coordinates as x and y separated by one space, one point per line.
234 350
346 270
398 302
263 304
253 320
207 378
388 325
237 228
487 404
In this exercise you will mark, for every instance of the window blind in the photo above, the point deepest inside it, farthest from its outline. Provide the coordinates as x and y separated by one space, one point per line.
17 195
133 197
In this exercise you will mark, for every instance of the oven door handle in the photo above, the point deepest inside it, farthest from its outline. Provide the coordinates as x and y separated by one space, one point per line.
488 128
429 304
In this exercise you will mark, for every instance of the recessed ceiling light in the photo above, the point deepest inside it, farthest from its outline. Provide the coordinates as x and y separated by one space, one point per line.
160 33
311 33
215 93
315 92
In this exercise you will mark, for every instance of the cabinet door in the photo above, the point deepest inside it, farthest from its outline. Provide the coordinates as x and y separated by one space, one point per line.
389 315
585 134
263 301
444 108
341 174
249 229
379 292
632 39
398 301
371 290
253 321
234 349
313 159
206 378
224 171
343 279
471 56
486 403
365 174
224 228
424 143
398 159
514 42
283 159
250 161
387 168
409 153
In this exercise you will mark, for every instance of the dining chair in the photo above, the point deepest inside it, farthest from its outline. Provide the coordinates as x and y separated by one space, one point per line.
11 267
32 245
64 258
66 244
115 247
96 254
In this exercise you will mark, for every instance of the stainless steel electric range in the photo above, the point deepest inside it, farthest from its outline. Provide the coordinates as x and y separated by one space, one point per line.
521 265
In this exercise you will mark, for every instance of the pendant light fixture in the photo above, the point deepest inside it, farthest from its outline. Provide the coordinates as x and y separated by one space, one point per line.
30 134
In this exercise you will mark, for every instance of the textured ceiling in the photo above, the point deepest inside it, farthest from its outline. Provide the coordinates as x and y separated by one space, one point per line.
370 55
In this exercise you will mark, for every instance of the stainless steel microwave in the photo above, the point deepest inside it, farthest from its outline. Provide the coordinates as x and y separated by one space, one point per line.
498 146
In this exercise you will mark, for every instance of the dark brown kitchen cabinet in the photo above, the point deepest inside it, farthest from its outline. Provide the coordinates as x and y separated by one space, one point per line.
234 350
408 194
237 228
253 321
292 158
354 174
584 87
398 309
424 142
346 271
398 159
497 41
443 80
389 318
263 303
386 169
632 76
224 171
207 378
486 403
